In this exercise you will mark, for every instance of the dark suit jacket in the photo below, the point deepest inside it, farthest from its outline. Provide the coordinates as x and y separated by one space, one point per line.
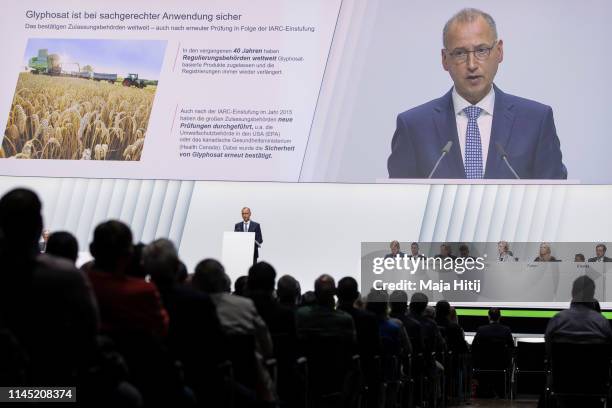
366 327
195 336
493 333
605 259
253 227
525 129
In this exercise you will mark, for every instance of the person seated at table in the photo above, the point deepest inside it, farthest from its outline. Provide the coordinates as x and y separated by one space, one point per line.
545 254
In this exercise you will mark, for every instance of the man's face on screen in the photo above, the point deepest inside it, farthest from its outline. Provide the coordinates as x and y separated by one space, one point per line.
471 71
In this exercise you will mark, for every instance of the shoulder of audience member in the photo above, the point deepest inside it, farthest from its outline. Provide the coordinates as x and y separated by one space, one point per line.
52 268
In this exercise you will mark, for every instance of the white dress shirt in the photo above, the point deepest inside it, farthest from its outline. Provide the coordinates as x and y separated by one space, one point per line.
485 120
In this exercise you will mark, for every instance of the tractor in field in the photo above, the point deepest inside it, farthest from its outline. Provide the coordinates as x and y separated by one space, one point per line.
45 63
132 80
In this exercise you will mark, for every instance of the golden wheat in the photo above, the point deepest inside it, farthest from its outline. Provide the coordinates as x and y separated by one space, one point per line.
76 119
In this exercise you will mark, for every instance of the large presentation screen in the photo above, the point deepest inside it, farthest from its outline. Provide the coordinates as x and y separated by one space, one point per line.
307 91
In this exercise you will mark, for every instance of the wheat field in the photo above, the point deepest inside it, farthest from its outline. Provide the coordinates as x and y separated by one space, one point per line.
76 119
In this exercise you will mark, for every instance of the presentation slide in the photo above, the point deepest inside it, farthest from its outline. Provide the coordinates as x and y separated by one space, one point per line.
307 91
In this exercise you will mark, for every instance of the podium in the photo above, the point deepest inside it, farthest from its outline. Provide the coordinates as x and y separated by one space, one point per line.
237 253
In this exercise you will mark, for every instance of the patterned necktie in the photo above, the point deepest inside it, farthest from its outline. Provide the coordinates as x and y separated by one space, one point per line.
473 146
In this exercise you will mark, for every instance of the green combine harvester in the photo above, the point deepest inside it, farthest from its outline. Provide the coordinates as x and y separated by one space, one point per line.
45 63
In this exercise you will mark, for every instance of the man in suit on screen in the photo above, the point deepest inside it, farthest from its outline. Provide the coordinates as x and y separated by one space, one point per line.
483 123
600 252
250 226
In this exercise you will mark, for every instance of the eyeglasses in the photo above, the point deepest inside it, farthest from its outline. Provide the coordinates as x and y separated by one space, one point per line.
460 55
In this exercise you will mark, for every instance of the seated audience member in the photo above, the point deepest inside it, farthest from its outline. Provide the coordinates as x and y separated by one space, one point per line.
488 342
451 331
280 320
545 254
579 258
64 245
394 338
46 305
194 335
505 254
430 315
288 291
366 323
237 314
327 337
260 288
432 339
321 318
494 332
240 286
395 250
239 319
580 322
398 301
127 304
600 254
308 299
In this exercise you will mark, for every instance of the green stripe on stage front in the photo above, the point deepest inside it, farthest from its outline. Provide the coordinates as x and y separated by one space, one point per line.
546 314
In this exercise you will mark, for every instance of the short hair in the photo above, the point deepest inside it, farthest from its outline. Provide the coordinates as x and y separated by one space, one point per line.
377 301
210 277
112 240
288 288
468 15
348 289
464 247
161 261
418 302
20 218
602 246
308 298
325 289
262 277
240 285
579 256
583 289
414 243
398 296
398 300
64 245
494 314
443 309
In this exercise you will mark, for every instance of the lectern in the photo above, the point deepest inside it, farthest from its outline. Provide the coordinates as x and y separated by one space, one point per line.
237 253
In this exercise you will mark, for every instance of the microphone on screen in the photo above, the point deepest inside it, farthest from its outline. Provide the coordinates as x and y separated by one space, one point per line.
504 156
443 153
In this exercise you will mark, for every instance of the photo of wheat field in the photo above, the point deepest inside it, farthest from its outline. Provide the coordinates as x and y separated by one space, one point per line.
83 99
73 118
